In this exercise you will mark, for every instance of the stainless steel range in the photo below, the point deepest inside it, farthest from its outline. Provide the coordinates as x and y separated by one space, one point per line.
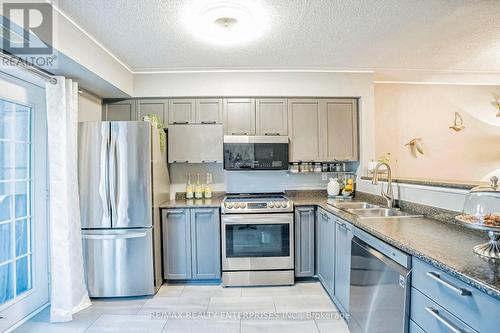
257 240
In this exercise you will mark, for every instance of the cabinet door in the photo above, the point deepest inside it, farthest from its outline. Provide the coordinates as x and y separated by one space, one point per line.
304 241
176 244
239 116
181 111
119 111
342 130
272 117
343 236
158 107
305 129
205 244
209 111
326 251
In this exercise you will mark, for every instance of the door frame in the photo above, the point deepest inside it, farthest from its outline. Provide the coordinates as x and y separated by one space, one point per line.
19 309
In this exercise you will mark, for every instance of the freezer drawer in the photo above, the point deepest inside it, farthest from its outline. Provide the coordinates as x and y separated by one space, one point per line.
119 262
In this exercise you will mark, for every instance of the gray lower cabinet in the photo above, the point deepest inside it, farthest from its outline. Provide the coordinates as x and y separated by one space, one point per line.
205 244
343 237
326 250
191 244
176 244
304 241
442 303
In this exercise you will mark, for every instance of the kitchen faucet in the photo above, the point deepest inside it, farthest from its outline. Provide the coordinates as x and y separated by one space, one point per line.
388 195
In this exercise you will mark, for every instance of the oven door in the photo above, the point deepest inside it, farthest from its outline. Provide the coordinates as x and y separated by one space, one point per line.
257 242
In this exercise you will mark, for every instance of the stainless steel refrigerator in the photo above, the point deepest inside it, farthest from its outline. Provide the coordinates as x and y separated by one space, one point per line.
123 178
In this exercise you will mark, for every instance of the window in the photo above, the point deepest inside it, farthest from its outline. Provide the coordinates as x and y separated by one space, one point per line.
15 200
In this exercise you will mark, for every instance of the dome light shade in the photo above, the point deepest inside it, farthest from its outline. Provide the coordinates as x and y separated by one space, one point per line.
226 22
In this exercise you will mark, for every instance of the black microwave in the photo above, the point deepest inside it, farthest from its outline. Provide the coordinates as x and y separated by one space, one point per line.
255 152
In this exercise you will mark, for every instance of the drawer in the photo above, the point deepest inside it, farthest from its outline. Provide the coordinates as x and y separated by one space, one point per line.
475 308
433 318
414 328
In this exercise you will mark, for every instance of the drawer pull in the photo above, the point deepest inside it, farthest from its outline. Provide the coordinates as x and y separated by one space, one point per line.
435 276
181 122
271 134
452 327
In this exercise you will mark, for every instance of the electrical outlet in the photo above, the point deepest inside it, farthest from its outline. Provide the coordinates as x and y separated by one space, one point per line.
324 176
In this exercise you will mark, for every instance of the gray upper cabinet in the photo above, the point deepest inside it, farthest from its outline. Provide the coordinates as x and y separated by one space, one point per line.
119 111
191 244
158 107
305 129
181 111
239 116
326 249
176 244
304 241
205 243
342 130
195 143
271 116
208 111
343 237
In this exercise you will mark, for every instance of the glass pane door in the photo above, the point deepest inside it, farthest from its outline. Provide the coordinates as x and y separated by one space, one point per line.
15 188
257 240
23 201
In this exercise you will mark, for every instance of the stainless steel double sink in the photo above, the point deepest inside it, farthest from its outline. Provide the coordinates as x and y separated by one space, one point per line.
367 210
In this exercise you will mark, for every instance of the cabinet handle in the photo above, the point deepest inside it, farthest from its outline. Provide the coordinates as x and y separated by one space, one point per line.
175 211
461 291
181 122
209 122
180 161
271 134
242 133
209 161
452 327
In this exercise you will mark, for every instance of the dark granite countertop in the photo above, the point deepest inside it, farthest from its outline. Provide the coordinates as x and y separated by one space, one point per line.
193 203
444 245
458 184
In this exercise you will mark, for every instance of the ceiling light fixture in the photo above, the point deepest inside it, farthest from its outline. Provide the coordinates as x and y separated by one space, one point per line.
226 22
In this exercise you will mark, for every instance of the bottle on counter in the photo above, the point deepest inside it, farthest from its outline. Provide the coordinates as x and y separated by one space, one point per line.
189 188
208 188
198 189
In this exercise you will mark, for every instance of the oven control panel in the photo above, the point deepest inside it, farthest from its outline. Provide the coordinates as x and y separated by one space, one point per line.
256 206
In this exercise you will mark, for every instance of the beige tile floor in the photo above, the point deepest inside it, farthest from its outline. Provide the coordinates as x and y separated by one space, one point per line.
303 308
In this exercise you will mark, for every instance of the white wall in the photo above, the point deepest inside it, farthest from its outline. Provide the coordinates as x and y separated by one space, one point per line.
89 107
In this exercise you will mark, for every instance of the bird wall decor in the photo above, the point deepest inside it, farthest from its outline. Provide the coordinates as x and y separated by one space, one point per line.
458 124
416 146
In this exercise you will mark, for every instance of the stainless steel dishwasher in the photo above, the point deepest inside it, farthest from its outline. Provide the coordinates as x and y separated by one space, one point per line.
379 287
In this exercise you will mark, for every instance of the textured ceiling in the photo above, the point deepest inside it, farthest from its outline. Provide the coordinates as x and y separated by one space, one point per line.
458 35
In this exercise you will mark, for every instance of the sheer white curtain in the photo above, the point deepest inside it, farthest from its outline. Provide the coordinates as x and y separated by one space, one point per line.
68 291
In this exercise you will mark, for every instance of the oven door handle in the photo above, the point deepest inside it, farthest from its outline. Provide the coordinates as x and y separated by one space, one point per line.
286 218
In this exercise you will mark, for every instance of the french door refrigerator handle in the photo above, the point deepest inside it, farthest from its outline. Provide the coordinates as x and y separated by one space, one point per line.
115 236
104 172
112 177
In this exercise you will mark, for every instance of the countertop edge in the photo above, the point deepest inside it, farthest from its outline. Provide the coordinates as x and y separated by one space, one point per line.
478 284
